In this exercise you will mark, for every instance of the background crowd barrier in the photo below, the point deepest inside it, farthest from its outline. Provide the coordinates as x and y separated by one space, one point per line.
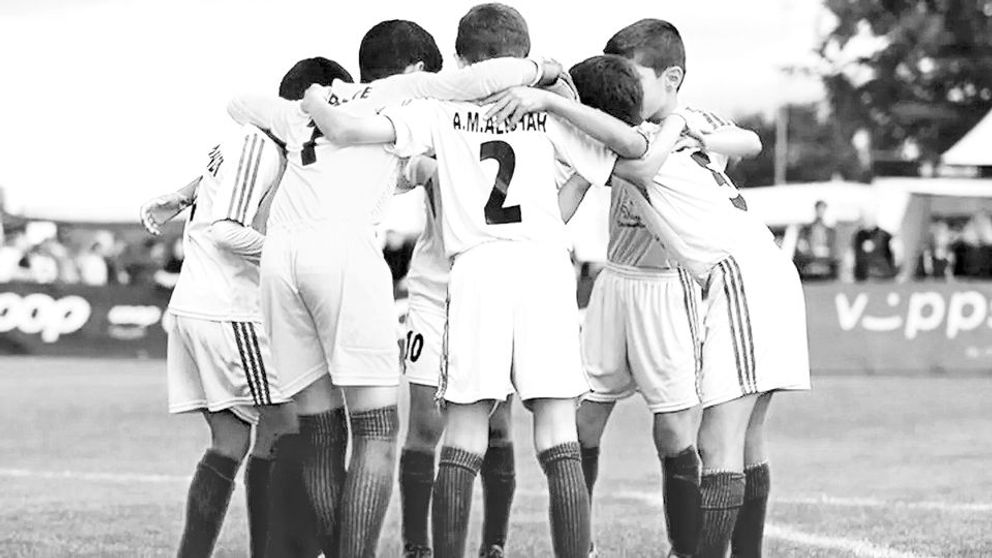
853 328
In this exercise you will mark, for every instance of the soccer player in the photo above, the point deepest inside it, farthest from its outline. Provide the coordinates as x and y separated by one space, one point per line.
326 291
511 313
428 285
753 312
641 327
218 355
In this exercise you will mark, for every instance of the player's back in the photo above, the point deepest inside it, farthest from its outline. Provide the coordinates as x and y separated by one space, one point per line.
497 182
325 183
236 185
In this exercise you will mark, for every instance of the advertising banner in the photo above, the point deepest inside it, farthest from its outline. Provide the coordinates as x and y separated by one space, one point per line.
73 320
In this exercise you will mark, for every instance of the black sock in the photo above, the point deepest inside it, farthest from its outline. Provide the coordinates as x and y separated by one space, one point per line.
750 528
722 494
590 468
682 499
292 525
452 503
499 481
325 441
416 485
206 504
569 506
257 475
369 482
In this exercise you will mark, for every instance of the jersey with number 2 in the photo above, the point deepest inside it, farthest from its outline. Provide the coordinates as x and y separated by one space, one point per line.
497 182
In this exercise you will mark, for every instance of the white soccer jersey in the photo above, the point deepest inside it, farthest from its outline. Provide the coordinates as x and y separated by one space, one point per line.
237 184
631 244
698 213
497 182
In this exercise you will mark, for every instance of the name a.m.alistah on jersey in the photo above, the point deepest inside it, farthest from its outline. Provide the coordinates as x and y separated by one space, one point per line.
471 121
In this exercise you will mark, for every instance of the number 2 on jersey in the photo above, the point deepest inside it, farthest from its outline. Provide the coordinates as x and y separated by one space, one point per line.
496 214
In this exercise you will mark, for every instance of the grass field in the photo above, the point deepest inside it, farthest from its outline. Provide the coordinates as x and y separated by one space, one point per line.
91 465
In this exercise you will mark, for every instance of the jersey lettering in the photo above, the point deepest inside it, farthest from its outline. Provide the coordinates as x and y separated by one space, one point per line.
503 153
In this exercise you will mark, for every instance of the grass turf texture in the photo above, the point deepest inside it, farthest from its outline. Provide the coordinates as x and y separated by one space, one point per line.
91 465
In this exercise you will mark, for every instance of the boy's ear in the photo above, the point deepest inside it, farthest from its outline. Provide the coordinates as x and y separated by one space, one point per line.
415 67
673 77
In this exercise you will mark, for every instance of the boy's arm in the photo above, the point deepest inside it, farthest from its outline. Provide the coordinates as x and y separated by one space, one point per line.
731 141
513 104
472 82
263 111
158 211
571 195
340 127
642 171
416 172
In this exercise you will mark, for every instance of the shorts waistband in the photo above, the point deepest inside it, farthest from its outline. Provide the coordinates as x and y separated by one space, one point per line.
642 272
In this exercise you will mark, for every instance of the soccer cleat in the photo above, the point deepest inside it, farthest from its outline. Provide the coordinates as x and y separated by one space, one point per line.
494 551
414 551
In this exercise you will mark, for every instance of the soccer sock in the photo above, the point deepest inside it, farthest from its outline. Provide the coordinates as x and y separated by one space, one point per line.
569 509
499 481
682 499
325 440
257 474
292 526
416 484
369 482
750 528
452 506
722 493
590 468
206 504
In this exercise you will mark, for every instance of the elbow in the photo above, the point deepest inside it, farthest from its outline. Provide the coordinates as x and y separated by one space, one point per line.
753 145
634 148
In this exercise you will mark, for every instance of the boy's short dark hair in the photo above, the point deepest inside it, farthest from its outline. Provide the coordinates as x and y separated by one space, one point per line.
308 71
610 83
492 31
653 43
390 46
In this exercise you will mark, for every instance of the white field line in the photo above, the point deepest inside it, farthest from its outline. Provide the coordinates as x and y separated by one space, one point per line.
655 500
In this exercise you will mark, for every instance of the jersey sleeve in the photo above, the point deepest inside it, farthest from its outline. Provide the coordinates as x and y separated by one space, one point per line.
591 159
703 120
252 166
466 84
269 113
414 123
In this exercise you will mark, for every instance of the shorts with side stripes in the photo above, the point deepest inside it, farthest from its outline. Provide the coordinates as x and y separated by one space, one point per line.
640 335
754 328
218 366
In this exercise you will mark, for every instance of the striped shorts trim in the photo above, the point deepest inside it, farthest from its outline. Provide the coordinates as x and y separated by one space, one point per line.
251 362
692 312
739 316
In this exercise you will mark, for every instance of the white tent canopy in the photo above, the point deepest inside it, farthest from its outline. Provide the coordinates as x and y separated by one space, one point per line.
975 148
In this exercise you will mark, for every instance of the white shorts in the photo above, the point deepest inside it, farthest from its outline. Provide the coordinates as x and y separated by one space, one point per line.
512 325
220 366
754 328
422 343
641 333
327 299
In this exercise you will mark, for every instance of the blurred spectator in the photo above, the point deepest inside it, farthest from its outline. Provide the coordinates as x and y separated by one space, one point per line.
937 257
42 264
93 267
873 252
13 259
815 253
973 250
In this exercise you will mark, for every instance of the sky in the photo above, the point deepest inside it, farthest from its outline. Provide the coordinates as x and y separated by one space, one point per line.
106 103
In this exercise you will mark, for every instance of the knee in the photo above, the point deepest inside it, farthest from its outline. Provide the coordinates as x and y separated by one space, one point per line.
721 449
319 397
231 439
424 432
674 432
590 422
